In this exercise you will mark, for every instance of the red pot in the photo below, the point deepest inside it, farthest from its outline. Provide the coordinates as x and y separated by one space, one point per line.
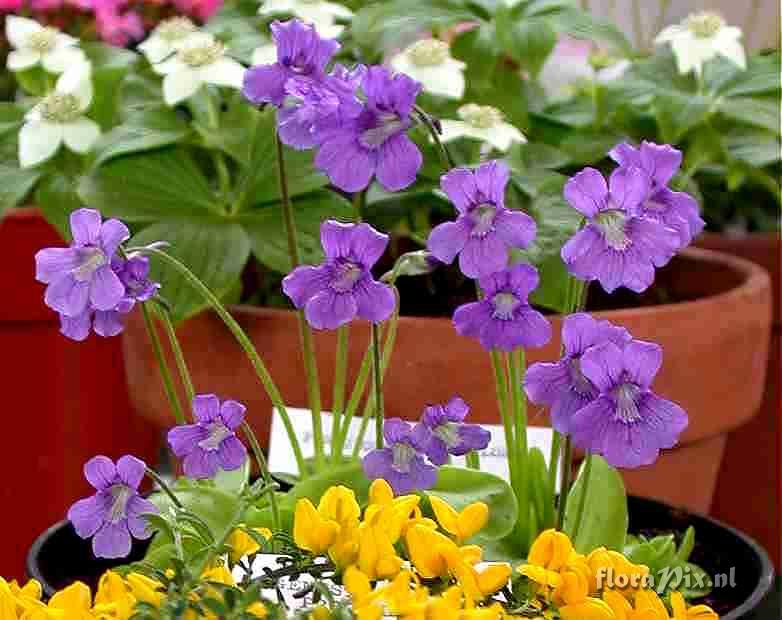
63 401
715 346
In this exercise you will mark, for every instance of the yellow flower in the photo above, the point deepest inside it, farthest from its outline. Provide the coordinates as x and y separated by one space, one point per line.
145 589
403 600
451 605
113 598
339 504
377 558
258 610
696 612
71 603
610 568
461 525
311 531
242 544
366 603
427 548
219 574
551 549
320 613
647 601
476 585
588 609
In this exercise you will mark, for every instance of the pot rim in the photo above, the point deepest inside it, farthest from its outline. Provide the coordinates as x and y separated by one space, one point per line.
757 596
23 213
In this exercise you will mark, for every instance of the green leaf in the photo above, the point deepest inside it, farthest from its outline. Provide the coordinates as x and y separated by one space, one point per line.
604 519
110 66
752 146
11 118
148 186
233 481
677 113
460 487
583 25
478 48
761 76
762 113
143 130
215 249
35 81
57 198
532 155
15 184
238 31
529 40
313 488
266 229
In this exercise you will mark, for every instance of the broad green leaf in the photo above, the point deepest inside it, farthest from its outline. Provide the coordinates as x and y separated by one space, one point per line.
15 184
528 40
604 518
588 146
350 475
677 113
577 112
752 146
110 65
233 481
56 197
143 130
478 48
149 186
460 487
214 248
35 81
532 155
11 118
763 113
239 32
583 25
266 229
761 76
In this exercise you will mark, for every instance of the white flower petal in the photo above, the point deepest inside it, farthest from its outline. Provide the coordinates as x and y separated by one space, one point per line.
65 40
670 33
223 72
503 135
18 29
156 49
77 81
265 54
453 130
180 85
732 49
38 141
337 10
172 65
63 59
22 59
80 135
277 6
613 72
445 80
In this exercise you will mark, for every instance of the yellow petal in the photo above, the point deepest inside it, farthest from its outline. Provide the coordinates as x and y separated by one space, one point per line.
589 609
380 492
494 578
145 589
551 549
541 576
445 514
339 504
648 600
311 532
356 583
618 604
219 574
473 519
425 548
76 597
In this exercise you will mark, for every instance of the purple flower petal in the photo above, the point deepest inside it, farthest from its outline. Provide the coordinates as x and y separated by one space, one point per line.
106 289
660 161
629 188
265 84
589 424
112 234
108 323
546 382
375 301
437 451
422 476
522 279
396 430
602 365
294 126
131 470
112 540
231 454
232 413
642 360
471 437
628 446
534 327
100 472
336 238
625 154
329 310
183 438
377 464
664 419
53 263
456 409
67 296
137 524
87 515
460 186
304 282
77 327
448 239
587 192
206 408
85 226
569 403
366 244
348 165
200 464
398 163
483 256
515 228
491 179
469 319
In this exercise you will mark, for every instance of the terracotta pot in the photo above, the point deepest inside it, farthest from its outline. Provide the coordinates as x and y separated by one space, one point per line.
64 401
752 448
715 357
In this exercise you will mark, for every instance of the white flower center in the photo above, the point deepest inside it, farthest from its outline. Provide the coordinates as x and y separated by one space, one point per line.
428 52
92 259
60 108
387 124
504 305
482 218
202 54
346 274
705 25
42 41
612 225
480 116
581 384
626 396
449 433
120 495
175 29
217 433
403 454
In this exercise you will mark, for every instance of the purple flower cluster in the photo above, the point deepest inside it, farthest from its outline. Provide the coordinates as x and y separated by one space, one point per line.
600 393
357 138
342 288
440 433
635 223
88 284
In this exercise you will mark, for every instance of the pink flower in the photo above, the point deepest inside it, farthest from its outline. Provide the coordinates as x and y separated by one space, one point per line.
115 27
45 5
10 6
201 9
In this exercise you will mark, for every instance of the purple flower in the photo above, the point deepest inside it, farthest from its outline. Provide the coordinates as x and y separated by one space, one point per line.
211 442
81 277
114 513
503 319
134 275
401 463
485 229
375 142
449 433
561 385
619 246
342 288
677 210
627 424
301 53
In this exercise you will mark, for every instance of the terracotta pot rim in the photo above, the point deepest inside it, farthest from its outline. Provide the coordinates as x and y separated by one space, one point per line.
755 279
23 213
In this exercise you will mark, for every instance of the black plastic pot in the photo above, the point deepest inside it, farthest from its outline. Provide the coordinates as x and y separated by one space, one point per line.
59 557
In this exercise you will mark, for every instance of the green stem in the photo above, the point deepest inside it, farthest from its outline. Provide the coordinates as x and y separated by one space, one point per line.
556 441
564 486
218 159
163 487
241 338
445 154
264 469
179 357
338 398
305 333
582 499
165 372
378 385
473 460
516 362
501 387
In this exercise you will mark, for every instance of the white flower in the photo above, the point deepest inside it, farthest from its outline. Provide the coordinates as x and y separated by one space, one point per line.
265 54
701 37
35 44
430 62
201 60
167 38
482 122
59 117
319 13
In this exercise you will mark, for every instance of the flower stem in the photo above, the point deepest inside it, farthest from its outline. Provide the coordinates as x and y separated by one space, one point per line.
179 357
473 460
163 487
165 372
255 359
378 385
340 375
445 154
519 402
305 332
564 486
582 499
264 469
501 386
